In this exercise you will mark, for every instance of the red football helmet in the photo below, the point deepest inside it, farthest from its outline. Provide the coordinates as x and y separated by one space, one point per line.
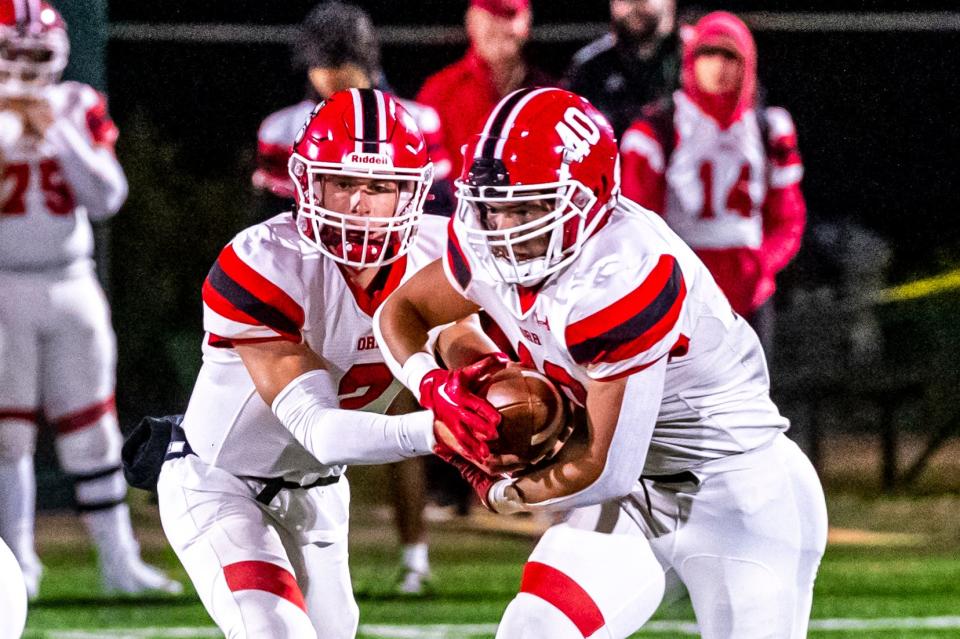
33 46
360 133
538 145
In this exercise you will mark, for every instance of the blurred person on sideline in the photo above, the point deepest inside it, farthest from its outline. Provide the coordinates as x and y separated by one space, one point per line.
57 347
464 92
635 63
723 170
337 48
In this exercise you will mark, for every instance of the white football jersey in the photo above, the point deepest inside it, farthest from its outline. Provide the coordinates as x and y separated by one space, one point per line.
637 294
717 179
268 284
44 212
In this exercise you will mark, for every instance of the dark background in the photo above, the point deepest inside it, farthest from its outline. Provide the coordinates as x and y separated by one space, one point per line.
877 115
877 112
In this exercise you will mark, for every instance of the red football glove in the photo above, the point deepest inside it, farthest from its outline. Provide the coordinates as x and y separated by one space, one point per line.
479 479
470 420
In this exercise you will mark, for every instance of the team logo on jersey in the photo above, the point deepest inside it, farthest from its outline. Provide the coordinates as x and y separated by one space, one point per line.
530 337
366 343
377 159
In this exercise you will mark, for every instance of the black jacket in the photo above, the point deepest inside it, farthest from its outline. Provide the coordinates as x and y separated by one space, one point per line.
618 82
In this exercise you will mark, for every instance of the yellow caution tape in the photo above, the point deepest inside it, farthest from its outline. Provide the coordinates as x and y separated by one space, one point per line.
922 288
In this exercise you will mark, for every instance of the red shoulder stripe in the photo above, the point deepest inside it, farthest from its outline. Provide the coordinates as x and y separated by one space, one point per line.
261 288
634 323
102 129
221 306
622 310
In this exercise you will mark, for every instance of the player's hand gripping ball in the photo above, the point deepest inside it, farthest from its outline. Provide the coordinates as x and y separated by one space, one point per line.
535 422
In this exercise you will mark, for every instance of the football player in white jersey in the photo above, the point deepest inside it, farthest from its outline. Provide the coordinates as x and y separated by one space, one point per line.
57 348
252 494
681 472
337 49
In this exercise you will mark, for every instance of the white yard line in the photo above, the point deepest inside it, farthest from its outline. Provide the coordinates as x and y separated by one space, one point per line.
475 631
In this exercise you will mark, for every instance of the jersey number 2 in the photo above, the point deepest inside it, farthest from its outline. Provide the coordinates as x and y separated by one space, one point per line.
16 178
363 384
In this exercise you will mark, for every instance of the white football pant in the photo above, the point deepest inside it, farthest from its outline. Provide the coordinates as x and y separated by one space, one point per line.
746 542
13 596
58 359
254 571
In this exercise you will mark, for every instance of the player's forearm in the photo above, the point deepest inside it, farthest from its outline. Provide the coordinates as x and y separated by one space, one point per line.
402 324
784 218
566 486
95 177
622 416
308 408
402 333
464 343
573 473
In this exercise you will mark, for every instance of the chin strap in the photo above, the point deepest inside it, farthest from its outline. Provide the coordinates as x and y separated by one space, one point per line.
503 498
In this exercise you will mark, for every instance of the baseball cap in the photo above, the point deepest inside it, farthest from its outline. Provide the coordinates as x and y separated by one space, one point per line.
501 8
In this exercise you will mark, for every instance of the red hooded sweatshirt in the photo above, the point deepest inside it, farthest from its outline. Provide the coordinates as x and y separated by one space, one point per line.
746 228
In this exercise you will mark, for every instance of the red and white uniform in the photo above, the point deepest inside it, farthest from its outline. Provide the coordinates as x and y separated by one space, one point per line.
278 130
269 284
697 482
634 297
57 347
53 188
731 195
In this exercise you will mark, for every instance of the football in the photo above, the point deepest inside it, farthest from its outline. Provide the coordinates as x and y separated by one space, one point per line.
534 414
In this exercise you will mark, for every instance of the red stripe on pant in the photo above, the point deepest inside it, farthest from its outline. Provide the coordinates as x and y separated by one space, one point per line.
566 595
262 575
21 414
84 417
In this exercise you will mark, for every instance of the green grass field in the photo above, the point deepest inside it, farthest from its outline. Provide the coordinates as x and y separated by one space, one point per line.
891 571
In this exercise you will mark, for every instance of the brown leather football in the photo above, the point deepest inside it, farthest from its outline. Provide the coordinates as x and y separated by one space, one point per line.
534 423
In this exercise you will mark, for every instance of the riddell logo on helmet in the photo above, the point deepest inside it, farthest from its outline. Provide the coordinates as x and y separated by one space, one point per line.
369 158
